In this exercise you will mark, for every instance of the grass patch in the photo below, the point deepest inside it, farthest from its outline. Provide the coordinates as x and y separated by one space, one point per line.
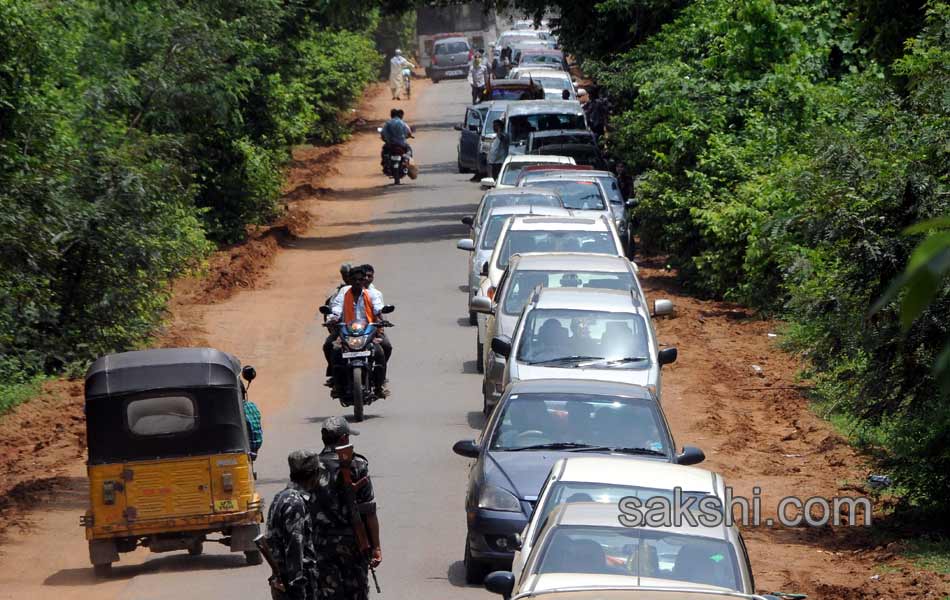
932 554
13 394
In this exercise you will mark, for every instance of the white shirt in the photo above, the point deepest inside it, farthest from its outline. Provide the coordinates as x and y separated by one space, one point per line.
477 75
376 298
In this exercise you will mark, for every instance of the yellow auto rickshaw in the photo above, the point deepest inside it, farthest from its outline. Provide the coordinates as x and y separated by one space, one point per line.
169 456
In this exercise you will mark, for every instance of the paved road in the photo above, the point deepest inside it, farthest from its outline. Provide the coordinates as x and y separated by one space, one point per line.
408 437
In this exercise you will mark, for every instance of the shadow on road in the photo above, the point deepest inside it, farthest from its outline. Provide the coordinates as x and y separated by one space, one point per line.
475 419
177 563
349 417
468 367
435 210
408 235
456 575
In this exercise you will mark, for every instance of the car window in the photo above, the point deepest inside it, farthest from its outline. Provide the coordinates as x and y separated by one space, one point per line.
160 416
472 118
523 282
579 195
531 420
495 115
520 126
492 230
588 242
499 200
612 188
451 48
639 553
510 176
609 339
553 82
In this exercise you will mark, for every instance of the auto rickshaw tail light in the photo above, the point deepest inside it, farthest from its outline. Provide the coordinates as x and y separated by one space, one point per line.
227 482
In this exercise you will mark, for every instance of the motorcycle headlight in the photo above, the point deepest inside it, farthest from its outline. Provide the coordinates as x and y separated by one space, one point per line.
357 341
495 498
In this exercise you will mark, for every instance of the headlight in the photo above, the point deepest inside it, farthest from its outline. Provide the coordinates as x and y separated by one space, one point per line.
495 498
357 341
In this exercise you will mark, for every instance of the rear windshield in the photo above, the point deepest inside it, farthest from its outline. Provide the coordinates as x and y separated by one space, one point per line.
571 138
522 283
538 199
552 83
520 126
451 48
510 176
521 242
163 415
540 59
579 195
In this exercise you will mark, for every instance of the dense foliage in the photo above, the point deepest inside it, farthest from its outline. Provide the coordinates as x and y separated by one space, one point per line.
136 133
783 146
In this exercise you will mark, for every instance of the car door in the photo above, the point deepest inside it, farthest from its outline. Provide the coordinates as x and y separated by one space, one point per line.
471 135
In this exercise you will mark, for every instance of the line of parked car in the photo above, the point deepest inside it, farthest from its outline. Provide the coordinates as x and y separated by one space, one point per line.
571 384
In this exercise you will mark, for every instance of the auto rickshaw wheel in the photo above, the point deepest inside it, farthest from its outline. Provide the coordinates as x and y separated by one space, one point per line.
103 571
253 557
196 548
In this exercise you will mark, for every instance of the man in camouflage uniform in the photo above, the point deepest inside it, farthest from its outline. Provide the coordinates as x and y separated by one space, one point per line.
290 528
343 571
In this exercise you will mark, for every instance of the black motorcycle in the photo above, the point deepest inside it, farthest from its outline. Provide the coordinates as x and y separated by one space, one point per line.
355 339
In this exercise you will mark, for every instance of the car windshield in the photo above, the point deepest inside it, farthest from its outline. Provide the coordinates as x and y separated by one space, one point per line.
580 421
508 40
640 553
495 115
588 242
522 283
520 126
566 338
499 200
579 195
611 187
540 59
513 170
566 492
566 138
508 93
492 230
554 83
451 48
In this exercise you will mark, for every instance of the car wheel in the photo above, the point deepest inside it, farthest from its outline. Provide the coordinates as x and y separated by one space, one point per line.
253 557
103 570
479 355
486 405
475 571
472 318
434 80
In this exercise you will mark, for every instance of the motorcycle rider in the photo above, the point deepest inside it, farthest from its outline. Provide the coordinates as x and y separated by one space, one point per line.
357 302
394 135
384 339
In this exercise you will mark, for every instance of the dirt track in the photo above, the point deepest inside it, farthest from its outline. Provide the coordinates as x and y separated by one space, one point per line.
754 427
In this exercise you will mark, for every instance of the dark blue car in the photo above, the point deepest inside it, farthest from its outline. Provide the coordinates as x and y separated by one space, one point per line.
534 424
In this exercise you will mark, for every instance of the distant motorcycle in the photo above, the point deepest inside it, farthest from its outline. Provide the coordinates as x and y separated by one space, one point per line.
356 339
395 162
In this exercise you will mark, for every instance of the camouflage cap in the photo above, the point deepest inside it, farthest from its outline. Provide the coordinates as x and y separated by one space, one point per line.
338 427
303 462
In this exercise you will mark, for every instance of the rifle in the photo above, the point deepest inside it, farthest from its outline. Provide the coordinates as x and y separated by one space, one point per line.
345 454
276 580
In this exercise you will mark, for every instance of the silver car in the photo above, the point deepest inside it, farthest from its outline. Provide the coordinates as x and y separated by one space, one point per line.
555 270
584 333
586 196
483 243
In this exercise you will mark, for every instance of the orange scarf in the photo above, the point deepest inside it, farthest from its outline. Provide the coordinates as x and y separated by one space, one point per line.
349 307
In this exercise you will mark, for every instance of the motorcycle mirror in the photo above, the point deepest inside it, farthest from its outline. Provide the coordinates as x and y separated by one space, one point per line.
388 309
248 373
325 310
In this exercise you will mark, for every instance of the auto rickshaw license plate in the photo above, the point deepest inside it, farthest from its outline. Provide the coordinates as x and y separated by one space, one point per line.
225 505
356 354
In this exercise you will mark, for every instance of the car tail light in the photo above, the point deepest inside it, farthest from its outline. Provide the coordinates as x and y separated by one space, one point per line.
491 293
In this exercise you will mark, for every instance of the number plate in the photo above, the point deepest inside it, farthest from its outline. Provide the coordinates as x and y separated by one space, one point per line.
451 73
356 354
225 505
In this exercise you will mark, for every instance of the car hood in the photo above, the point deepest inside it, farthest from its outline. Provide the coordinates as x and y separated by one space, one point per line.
635 376
521 472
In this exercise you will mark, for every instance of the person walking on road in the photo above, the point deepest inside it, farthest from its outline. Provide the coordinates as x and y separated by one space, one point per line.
396 81
499 148
478 78
343 569
290 529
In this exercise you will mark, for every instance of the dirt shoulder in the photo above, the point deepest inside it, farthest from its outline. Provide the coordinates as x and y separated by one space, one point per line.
734 394
42 441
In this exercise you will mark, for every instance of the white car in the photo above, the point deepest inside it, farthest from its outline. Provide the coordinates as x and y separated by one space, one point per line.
514 163
585 333
553 80
485 236
585 544
608 479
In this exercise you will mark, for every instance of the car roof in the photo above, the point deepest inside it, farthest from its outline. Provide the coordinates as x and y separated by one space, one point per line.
600 299
580 386
539 158
534 107
502 104
618 470
590 587
543 72
529 209
597 514
520 192
570 261
559 224
557 132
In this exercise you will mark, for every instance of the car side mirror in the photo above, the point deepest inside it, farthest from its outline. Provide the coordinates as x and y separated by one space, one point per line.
501 583
667 356
501 345
662 307
458 128
487 183
631 202
248 373
468 221
466 244
484 271
481 304
518 541
466 448
388 309
475 128
690 456
325 310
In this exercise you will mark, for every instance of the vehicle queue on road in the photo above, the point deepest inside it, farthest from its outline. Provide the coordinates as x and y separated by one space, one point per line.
571 373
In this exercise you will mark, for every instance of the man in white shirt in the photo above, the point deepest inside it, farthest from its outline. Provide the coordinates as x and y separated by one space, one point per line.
478 77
